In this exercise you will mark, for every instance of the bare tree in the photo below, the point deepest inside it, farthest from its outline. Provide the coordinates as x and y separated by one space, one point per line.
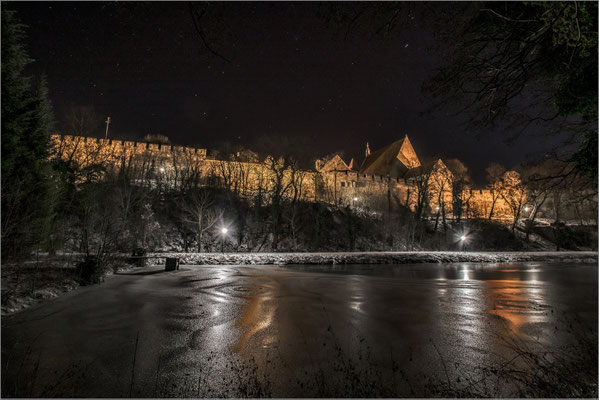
537 190
524 64
439 188
422 185
494 173
184 170
460 184
199 211
514 193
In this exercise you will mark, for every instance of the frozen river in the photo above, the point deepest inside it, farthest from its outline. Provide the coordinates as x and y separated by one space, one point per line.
335 331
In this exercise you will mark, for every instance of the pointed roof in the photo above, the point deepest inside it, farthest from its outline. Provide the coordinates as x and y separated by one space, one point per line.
352 165
393 160
335 164
428 168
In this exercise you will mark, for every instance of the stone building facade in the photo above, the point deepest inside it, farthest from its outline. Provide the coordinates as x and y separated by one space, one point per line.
387 178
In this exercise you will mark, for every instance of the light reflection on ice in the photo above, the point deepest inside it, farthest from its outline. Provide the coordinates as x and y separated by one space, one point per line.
519 303
356 305
465 273
257 315
356 294
519 297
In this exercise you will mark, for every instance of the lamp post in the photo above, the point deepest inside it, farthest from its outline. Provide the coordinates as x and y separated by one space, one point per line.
463 241
222 241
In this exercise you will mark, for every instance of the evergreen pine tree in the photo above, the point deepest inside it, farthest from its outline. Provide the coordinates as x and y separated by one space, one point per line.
26 121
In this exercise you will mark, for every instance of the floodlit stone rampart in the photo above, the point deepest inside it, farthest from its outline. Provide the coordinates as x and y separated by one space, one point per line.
180 166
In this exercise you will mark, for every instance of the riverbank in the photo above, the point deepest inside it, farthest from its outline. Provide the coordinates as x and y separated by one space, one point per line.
30 282
403 257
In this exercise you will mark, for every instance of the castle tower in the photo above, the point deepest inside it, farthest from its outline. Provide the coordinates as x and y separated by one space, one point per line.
367 149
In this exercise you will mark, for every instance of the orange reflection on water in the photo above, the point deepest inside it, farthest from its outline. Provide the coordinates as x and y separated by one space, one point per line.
518 302
257 315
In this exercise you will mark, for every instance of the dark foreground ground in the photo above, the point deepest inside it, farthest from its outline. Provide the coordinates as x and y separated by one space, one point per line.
310 331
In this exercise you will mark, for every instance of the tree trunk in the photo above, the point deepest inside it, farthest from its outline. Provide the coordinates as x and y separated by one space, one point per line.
516 217
443 218
531 222
534 216
492 208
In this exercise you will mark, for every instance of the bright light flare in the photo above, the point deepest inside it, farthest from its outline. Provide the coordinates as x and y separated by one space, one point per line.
224 231
462 239
355 199
161 169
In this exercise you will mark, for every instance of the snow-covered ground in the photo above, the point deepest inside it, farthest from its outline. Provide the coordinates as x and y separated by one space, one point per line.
29 282
372 257
571 222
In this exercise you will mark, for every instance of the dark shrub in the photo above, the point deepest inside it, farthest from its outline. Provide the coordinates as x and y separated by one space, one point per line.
492 236
91 270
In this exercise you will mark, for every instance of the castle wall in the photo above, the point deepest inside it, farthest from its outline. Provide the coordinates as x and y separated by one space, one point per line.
177 166
86 151
249 179
363 190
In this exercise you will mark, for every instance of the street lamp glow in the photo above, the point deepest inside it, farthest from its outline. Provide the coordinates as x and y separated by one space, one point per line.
355 199
222 239
437 208
525 209
463 237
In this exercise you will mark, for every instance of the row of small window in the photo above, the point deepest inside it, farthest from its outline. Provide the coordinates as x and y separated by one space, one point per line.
352 184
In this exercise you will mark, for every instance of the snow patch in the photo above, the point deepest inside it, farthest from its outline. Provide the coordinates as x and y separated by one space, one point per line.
371 257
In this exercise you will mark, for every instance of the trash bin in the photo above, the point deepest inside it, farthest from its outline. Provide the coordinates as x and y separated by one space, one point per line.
139 255
172 264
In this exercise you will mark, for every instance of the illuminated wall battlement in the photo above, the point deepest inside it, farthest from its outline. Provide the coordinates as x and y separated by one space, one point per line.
85 149
174 165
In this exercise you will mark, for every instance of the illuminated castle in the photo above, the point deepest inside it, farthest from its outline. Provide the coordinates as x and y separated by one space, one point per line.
387 178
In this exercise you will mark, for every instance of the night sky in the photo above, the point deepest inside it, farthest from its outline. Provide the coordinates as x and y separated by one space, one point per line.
290 74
